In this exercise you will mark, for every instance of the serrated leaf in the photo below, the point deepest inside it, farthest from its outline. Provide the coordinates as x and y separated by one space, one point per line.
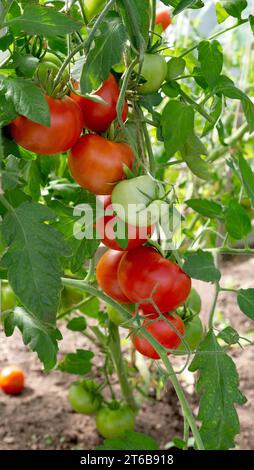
210 57
27 99
33 258
77 324
205 207
77 363
104 54
247 178
200 265
131 441
177 124
245 300
229 335
45 21
237 221
41 337
218 385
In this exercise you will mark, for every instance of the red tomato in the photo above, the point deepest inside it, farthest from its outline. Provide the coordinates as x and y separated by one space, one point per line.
107 226
163 18
99 116
106 274
161 331
63 133
144 272
97 164
12 380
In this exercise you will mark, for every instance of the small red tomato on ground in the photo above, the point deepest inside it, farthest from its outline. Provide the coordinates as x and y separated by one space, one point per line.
97 164
12 380
162 331
99 116
65 128
163 18
143 273
107 226
106 274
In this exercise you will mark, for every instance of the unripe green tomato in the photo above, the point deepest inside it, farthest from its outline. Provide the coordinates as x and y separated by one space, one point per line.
193 335
8 299
93 7
52 58
194 301
47 70
83 399
154 71
115 423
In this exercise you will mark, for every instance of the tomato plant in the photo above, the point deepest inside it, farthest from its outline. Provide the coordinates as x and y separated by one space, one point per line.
97 163
99 116
97 99
115 421
12 380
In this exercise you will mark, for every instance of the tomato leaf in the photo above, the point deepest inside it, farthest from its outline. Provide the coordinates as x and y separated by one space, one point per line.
229 335
234 7
77 324
245 300
218 385
181 5
210 57
140 11
247 177
131 441
205 207
221 13
176 67
27 99
251 20
77 363
104 54
177 124
200 265
41 337
237 221
45 21
33 258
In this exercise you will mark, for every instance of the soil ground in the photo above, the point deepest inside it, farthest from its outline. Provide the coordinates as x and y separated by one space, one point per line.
41 418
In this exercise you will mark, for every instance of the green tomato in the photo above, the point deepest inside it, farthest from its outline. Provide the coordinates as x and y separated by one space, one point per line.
70 297
154 71
136 201
93 7
193 335
115 423
47 70
83 397
194 301
49 57
8 299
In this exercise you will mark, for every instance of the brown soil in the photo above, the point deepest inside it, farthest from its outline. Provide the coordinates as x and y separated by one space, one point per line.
41 418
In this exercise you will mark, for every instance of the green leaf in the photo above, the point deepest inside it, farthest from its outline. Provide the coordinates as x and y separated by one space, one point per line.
245 300
177 124
10 175
91 308
218 385
7 110
77 324
176 67
171 89
237 221
45 21
182 5
198 166
200 265
210 57
141 13
77 363
41 337
221 13
205 207
131 441
229 335
104 54
251 20
234 7
215 113
33 258
27 99
247 178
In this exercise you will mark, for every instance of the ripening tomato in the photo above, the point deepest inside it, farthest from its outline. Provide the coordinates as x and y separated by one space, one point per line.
64 131
163 18
153 71
161 331
143 273
12 380
113 423
110 227
193 335
83 397
99 116
97 164
106 274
